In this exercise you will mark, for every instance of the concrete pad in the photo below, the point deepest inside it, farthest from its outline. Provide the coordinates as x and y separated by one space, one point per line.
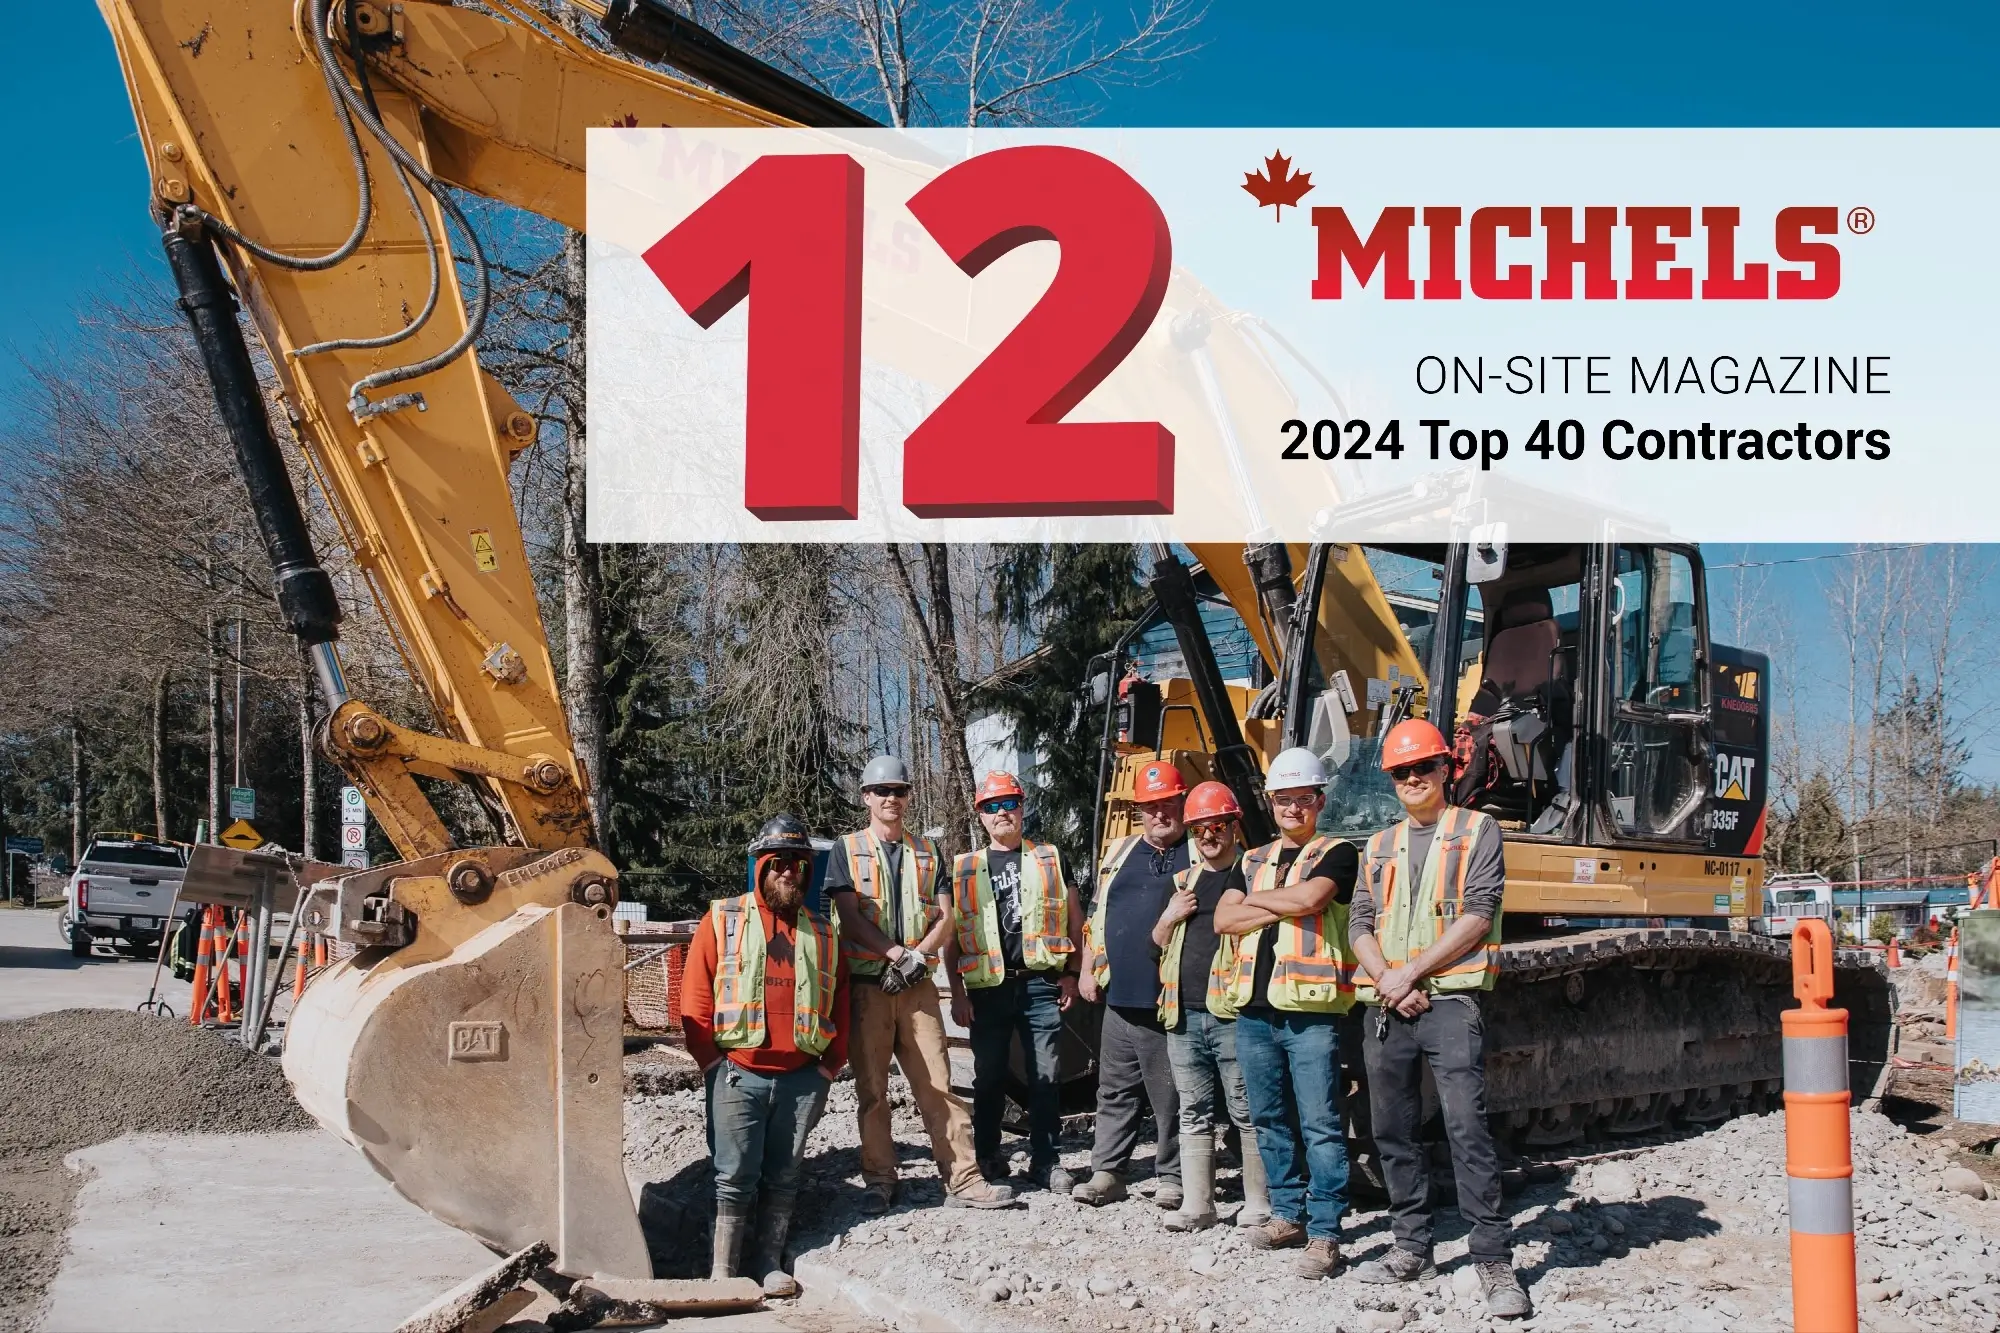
37 975
229 1232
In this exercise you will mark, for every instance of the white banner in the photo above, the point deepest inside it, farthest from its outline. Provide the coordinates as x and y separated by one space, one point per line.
1219 335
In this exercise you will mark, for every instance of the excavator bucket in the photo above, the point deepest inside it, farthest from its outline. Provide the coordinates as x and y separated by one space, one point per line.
472 1048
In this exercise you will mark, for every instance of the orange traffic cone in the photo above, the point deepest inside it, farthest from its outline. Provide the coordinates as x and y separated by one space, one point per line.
1895 954
204 951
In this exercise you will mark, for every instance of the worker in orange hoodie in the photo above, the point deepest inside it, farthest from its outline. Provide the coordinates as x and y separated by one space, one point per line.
764 1007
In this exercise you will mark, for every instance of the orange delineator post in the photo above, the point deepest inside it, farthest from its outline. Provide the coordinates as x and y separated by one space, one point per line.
1819 1158
299 970
1951 987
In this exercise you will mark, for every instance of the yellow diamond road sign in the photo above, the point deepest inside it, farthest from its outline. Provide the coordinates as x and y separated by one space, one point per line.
242 837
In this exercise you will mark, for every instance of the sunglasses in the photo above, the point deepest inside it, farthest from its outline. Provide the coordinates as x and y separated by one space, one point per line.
790 865
1411 772
998 804
887 793
1215 827
1294 800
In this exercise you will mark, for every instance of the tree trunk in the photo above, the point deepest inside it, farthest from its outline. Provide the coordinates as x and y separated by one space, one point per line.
214 733
160 754
937 636
308 758
75 795
583 579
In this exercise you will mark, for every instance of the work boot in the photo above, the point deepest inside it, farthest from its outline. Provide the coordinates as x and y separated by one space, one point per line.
1256 1209
767 1259
732 1220
879 1197
1506 1298
1052 1177
1319 1260
1276 1234
981 1194
1398 1265
1197 1210
1167 1194
1103 1187
995 1170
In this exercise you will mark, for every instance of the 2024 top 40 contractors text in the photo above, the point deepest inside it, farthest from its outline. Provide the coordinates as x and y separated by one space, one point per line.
1751 439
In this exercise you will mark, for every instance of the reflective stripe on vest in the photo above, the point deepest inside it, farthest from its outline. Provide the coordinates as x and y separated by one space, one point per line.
1407 923
1045 940
1312 969
1094 956
1221 967
739 976
863 851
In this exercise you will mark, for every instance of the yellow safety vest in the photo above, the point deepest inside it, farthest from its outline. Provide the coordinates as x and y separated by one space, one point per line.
1313 968
1094 956
1045 940
1408 923
739 976
1221 968
863 852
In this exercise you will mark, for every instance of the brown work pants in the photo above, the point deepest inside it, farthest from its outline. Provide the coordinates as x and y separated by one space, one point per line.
908 1027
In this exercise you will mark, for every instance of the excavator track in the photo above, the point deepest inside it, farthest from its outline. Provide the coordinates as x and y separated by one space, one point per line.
1611 1033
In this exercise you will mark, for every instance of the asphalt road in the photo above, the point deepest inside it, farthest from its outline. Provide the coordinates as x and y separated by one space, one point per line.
37 974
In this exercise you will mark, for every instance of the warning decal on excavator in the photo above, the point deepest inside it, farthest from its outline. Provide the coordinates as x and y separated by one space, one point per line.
483 554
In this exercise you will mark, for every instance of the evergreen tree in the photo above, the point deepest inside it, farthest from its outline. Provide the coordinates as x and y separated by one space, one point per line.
1075 600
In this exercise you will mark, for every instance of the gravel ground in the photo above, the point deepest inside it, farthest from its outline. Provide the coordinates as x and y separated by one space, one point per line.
82 1076
1681 1237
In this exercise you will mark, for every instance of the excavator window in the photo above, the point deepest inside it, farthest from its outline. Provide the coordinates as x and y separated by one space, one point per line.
1658 714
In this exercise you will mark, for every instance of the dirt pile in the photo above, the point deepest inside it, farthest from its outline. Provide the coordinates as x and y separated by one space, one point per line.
82 1076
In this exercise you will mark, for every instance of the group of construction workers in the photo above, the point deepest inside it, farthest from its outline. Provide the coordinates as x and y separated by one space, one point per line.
1223 970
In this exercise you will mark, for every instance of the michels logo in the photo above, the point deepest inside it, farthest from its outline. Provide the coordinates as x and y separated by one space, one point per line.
1660 240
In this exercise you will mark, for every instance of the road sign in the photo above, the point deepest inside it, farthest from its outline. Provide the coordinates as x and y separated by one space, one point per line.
354 860
353 837
242 803
353 808
26 846
241 836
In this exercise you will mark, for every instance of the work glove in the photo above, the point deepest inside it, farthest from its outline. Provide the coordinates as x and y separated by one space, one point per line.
900 975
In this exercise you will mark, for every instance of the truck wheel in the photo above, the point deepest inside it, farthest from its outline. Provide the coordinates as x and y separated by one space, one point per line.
79 942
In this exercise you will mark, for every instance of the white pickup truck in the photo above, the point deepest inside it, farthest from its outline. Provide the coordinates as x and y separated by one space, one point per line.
123 889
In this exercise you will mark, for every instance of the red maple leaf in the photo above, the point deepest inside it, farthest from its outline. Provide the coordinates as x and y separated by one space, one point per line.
1277 185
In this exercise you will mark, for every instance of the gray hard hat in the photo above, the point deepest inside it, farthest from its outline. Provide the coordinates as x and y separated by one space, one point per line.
884 770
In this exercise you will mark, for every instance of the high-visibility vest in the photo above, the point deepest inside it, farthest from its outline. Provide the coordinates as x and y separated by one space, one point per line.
1094 955
1221 967
739 976
1407 923
1312 969
864 855
1045 940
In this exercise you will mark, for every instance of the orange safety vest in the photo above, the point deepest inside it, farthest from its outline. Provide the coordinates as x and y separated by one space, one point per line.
863 851
739 976
1221 968
1313 969
1094 956
1408 922
1045 940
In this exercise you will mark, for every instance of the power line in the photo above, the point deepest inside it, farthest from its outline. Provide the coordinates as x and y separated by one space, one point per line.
1830 555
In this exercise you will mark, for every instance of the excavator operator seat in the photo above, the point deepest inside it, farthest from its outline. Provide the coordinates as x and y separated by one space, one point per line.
1518 660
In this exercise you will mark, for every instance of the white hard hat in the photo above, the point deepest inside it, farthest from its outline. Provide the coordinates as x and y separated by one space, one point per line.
1296 767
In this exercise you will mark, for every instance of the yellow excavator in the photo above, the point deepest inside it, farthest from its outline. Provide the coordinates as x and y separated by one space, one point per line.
303 155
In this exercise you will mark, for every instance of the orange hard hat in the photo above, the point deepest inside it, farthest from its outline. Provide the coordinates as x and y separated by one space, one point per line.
1411 742
1212 800
1158 781
995 784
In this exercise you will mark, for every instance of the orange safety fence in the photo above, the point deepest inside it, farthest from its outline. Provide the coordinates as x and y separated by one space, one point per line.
1819 1160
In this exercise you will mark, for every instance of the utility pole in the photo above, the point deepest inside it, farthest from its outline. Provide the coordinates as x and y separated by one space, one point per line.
239 702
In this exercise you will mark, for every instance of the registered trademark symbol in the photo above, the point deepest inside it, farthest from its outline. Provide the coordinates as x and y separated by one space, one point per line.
1861 221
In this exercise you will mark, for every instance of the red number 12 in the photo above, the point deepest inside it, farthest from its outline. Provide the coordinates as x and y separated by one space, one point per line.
997 446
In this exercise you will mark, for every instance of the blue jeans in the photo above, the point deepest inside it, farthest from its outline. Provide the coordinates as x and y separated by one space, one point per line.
757 1130
1277 1051
1206 1075
1024 1004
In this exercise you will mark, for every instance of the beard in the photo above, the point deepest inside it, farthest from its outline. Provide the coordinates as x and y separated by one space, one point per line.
782 895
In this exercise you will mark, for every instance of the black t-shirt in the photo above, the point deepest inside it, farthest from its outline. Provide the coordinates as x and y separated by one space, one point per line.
1003 869
1341 864
1139 894
1198 945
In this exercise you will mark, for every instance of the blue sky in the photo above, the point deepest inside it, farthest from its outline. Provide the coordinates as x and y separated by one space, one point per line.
79 226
